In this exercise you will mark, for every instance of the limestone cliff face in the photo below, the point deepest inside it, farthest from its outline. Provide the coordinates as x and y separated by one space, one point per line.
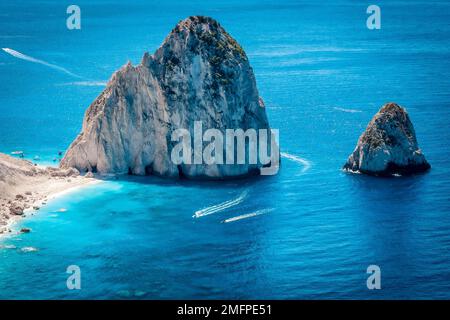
388 146
200 73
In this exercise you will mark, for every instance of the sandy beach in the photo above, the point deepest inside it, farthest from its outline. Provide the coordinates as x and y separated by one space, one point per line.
26 187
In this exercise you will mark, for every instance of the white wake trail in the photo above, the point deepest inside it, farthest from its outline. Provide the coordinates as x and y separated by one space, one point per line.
85 83
248 215
347 110
306 163
221 206
22 56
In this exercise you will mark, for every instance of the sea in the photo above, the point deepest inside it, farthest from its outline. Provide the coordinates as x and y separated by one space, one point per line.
309 232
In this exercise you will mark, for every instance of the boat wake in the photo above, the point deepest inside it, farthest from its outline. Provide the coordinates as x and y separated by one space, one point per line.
347 110
221 206
29 249
86 83
248 215
22 56
304 162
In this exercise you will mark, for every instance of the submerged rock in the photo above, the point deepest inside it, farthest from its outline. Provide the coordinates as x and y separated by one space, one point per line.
200 73
388 146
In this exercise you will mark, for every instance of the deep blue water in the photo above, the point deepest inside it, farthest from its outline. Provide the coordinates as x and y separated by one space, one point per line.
314 63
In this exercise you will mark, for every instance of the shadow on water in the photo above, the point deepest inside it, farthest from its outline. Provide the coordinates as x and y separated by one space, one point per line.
382 194
249 181
202 193
167 233
385 211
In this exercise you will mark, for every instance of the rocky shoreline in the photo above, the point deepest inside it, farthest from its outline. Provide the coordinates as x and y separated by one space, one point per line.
26 187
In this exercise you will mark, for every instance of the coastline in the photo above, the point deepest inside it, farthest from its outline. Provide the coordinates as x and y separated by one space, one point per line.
54 192
25 187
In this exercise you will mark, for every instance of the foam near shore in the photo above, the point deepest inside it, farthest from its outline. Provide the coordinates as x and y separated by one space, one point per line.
25 188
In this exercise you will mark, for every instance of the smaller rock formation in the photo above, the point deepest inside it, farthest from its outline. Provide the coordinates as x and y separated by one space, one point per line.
388 146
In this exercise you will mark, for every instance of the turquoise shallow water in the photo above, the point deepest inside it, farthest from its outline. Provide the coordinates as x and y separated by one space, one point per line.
322 74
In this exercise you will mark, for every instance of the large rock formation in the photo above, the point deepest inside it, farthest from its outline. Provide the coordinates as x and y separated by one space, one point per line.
200 73
388 146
